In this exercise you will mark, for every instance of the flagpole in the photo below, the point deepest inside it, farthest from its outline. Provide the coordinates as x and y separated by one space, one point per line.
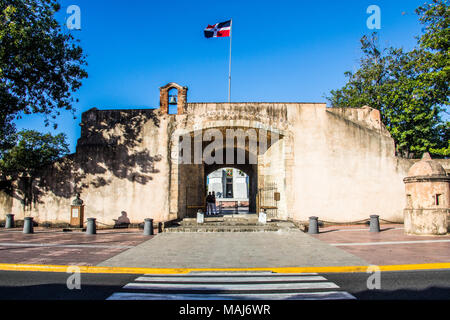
229 75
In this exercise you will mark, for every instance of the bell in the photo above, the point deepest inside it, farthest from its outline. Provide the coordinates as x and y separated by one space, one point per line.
172 100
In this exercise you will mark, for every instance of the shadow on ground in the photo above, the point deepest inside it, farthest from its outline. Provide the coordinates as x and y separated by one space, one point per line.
431 293
55 292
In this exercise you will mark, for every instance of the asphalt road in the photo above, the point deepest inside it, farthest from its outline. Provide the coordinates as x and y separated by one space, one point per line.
401 285
53 286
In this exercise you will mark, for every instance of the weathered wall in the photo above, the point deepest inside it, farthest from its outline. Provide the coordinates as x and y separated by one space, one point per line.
120 165
338 164
343 169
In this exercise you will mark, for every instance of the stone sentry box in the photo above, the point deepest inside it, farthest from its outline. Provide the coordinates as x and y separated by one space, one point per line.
77 213
427 198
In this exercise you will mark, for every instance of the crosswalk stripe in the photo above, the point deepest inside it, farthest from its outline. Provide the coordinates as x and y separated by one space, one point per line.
331 295
228 274
212 279
230 287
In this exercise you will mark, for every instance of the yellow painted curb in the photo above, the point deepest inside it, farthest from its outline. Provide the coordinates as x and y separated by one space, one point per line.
120 270
412 267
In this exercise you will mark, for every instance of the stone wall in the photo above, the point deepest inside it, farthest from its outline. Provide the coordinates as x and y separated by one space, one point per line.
121 164
344 170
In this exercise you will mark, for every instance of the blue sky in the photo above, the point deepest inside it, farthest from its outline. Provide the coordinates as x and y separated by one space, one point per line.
283 51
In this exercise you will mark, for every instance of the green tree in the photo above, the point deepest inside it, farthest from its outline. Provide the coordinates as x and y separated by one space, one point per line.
435 44
32 151
40 65
409 88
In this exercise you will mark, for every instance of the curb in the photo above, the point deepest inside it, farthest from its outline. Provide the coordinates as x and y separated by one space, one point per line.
125 270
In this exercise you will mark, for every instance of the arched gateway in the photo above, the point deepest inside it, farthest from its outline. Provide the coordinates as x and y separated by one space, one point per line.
253 148
302 159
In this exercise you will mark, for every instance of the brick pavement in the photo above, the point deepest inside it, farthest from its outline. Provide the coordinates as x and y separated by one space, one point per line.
50 247
362 243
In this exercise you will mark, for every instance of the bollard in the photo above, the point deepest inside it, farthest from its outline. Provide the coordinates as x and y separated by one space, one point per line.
200 216
28 225
313 225
91 228
148 227
374 223
9 221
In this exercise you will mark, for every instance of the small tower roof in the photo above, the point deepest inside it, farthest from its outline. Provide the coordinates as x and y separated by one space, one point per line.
426 167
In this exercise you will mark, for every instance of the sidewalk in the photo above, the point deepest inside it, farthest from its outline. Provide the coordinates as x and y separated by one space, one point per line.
389 247
233 250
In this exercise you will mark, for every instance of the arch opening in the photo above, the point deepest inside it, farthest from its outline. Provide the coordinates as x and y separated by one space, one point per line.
172 101
231 188
169 101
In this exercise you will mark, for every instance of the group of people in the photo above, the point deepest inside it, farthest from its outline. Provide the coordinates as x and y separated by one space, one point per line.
211 208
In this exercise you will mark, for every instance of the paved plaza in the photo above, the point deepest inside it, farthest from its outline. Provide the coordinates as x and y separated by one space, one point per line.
334 246
46 247
233 250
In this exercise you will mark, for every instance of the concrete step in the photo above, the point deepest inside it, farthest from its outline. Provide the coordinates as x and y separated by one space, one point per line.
216 224
74 230
230 223
226 218
223 228
219 223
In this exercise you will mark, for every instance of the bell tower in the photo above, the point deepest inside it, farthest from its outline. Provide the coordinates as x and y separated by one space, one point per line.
179 100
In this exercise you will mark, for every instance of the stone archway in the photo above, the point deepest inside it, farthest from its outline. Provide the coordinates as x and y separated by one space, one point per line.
188 180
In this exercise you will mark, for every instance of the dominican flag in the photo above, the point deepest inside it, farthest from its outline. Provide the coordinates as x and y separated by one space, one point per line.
218 30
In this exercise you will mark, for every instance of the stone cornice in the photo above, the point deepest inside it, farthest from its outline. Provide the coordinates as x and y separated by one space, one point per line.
433 178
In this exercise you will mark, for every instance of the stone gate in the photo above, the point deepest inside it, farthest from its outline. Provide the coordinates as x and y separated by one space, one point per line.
338 164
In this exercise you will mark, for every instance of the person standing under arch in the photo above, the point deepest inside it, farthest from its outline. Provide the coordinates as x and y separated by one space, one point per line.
214 203
209 204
